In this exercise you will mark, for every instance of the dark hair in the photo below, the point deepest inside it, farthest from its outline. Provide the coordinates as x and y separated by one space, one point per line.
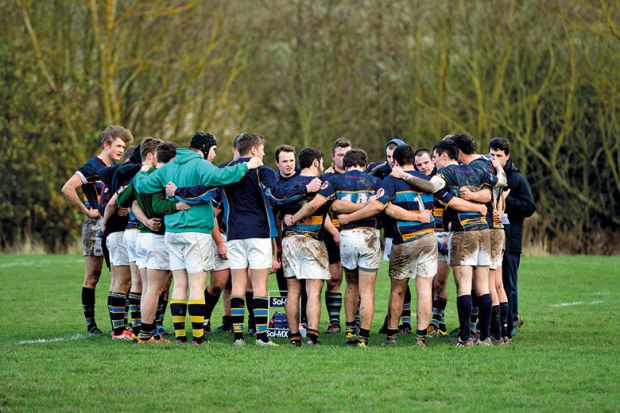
148 145
309 155
166 151
500 144
128 154
446 146
421 152
203 141
340 143
246 141
391 146
464 143
355 157
283 148
404 155
112 132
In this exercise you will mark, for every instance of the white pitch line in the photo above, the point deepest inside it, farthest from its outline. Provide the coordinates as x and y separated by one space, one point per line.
36 263
53 340
572 303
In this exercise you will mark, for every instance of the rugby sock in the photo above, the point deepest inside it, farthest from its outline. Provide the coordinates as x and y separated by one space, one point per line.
485 304
134 310
249 302
261 316
146 332
210 302
420 335
294 338
110 309
438 319
463 305
162 303
196 310
126 311
333 302
178 309
405 316
117 312
237 309
503 316
496 324
227 322
88 304
313 336
350 327
357 316
475 309
391 333
363 335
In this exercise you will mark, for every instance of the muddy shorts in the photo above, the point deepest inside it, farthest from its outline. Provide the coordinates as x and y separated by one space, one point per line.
415 258
304 258
498 240
470 248
91 241
360 248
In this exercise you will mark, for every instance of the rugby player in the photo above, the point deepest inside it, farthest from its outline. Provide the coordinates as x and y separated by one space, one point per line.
304 255
113 140
414 250
360 248
423 163
331 237
188 233
250 228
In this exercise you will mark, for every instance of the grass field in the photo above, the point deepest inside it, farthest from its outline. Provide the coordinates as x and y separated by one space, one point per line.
565 358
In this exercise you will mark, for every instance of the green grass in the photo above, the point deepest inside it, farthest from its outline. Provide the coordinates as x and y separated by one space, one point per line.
564 359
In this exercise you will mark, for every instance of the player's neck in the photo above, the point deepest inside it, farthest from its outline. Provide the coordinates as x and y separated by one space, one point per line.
356 168
408 167
105 157
309 172
467 159
340 171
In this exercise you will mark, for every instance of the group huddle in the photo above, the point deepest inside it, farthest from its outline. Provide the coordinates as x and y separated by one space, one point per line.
158 212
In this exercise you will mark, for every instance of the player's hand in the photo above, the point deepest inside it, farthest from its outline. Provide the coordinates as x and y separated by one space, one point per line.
255 162
397 172
171 189
314 185
336 236
496 164
93 213
329 170
344 219
288 220
222 251
371 198
482 209
424 216
182 206
154 224
497 216
465 193
123 212
275 263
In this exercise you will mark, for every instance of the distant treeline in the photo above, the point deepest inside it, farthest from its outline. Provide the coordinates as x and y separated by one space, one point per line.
543 74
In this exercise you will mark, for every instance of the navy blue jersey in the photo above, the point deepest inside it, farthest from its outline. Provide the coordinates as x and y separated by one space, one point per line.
401 194
353 186
248 212
277 209
484 163
333 216
91 183
457 176
293 202
116 223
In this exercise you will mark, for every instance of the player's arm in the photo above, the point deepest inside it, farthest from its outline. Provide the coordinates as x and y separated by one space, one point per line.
369 210
69 190
502 180
329 226
345 207
482 196
435 184
149 183
401 214
110 209
213 176
163 206
306 210
459 204
154 224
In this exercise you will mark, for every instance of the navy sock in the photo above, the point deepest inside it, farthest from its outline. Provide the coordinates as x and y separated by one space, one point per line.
485 304
463 305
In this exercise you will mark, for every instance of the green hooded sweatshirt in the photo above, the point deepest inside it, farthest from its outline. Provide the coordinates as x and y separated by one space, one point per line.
188 168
